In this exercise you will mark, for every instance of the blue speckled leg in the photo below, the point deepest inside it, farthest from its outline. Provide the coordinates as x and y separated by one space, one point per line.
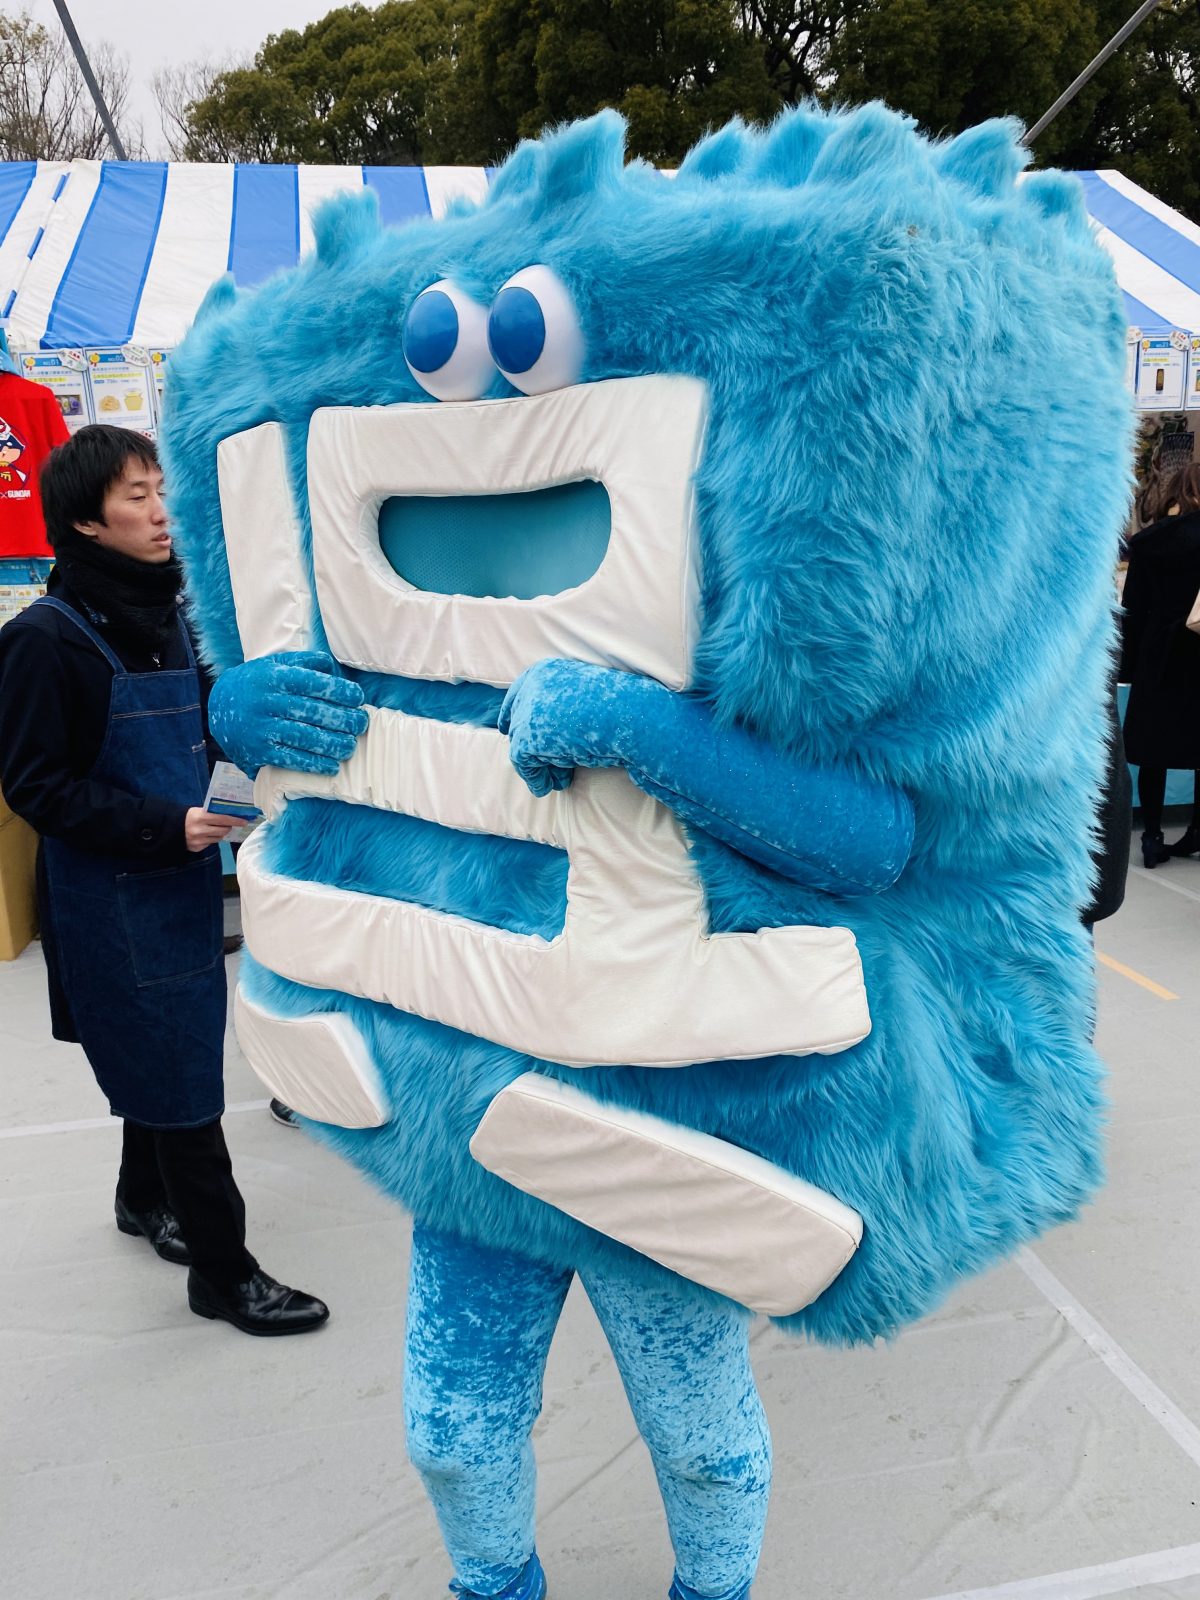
480 1323
687 1373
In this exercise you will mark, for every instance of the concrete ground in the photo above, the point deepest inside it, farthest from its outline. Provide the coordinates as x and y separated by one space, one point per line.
1038 1439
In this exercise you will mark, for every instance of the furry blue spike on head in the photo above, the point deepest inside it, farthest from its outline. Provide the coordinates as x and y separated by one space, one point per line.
834 445
521 172
986 158
582 159
719 155
790 146
345 225
222 294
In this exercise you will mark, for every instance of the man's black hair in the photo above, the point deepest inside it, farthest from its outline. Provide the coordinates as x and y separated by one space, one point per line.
78 474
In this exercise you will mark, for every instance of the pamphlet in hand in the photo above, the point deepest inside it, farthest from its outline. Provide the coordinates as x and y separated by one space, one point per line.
231 794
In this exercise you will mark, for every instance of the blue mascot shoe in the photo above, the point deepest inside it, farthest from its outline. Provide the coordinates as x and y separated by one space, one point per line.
529 1584
681 1591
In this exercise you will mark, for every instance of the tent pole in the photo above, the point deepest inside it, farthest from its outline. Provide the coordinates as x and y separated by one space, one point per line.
89 77
1089 72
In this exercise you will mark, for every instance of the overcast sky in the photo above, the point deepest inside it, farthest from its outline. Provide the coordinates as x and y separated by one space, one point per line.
158 33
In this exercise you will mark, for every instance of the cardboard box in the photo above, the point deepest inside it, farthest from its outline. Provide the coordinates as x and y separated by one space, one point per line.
18 894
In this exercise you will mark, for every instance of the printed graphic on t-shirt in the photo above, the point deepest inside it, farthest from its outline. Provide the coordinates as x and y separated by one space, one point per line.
13 482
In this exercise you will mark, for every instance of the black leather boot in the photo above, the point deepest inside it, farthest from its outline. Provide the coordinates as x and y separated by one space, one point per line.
260 1305
160 1226
1188 844
1154 851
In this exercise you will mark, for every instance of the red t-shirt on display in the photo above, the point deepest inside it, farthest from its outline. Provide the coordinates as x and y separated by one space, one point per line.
31 424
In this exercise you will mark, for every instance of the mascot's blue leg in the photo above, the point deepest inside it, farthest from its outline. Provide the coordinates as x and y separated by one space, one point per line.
687 1373
480 1322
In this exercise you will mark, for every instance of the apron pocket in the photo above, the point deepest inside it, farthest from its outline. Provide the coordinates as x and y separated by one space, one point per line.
172 921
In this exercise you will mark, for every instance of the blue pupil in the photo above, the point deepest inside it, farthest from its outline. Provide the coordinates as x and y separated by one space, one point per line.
516 330
430 331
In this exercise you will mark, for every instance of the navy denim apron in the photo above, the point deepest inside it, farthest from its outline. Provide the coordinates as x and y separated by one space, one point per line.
140 949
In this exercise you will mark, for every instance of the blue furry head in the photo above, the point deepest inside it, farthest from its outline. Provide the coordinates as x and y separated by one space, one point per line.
916 466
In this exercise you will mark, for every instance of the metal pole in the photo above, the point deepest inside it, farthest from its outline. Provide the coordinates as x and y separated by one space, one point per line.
1089 72
89 77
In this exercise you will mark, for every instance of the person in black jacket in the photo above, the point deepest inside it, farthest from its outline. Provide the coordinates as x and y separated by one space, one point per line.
1160 660
103 750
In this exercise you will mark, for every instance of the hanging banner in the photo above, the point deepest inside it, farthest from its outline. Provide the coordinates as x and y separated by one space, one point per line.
64 373
1162 373
122 387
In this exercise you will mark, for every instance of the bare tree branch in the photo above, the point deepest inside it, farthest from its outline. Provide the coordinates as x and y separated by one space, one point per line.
178 91
45 111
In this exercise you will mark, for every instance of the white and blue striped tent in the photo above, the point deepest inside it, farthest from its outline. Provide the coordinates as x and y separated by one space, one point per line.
115 252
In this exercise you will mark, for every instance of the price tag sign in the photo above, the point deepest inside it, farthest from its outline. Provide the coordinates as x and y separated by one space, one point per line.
122 387
1162 374
64 373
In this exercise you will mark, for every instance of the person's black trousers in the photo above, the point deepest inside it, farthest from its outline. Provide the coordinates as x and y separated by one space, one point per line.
189 1171
1152 790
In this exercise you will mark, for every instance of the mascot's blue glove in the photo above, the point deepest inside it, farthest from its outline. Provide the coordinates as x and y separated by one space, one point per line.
825 827
288 710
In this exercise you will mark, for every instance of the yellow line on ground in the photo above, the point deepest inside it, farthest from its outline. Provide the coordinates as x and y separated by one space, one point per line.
1136 977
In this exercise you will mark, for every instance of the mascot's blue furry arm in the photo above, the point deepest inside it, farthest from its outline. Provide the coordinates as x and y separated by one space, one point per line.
811 371
825 829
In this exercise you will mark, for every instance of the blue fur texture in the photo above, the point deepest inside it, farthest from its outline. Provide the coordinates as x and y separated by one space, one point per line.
917 462
824 827
508 883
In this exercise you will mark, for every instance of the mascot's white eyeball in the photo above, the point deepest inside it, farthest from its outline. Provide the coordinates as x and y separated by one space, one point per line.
534 333
445 343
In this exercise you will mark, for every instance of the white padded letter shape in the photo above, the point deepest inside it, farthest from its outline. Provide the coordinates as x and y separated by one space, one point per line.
272 595
634 978
707 1209
640 437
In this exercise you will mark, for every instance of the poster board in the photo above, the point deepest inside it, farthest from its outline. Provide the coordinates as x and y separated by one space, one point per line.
14 597
1162 372
122 387
64 373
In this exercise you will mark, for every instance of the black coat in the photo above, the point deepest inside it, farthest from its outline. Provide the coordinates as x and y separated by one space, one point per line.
1114 819
55 689
1160 656
54 695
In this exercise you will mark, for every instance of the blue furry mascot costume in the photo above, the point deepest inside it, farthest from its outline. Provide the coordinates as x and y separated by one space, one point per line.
671 655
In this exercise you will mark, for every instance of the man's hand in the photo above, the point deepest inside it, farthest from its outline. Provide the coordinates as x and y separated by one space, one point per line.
287 710
202 828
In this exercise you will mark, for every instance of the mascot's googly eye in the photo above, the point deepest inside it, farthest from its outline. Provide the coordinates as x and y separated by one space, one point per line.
534 332
445 343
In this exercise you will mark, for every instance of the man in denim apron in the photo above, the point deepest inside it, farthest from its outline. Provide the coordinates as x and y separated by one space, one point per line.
103 751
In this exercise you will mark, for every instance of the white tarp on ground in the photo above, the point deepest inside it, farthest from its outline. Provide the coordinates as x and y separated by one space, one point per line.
114 252
1036 1439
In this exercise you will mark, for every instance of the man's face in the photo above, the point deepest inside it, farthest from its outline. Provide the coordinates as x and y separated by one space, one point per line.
135 519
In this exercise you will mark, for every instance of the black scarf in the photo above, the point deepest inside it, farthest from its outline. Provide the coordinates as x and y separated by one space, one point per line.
138 600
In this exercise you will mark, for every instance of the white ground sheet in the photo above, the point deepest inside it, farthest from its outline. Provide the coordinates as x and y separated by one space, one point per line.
1037 1439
